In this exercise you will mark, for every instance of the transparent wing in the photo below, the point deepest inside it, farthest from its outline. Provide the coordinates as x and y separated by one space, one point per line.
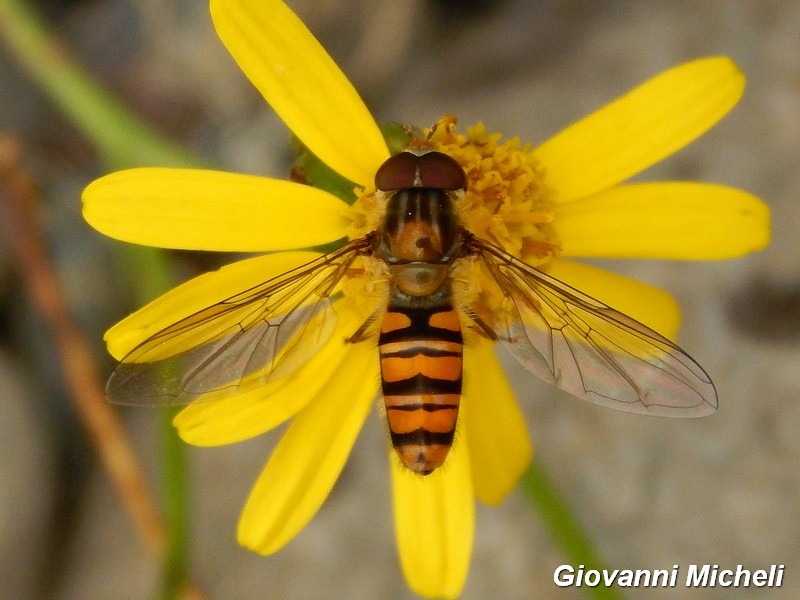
587 348
232 346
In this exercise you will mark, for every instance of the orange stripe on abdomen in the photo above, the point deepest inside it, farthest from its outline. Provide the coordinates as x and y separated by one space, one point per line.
436 414
396 368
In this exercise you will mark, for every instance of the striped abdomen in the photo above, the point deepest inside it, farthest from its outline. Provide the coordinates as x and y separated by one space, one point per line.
421 356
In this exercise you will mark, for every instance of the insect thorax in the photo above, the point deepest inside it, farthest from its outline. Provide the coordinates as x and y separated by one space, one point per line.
419 239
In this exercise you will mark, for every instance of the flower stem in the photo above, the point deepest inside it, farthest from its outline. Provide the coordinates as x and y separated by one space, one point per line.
175 497
564 527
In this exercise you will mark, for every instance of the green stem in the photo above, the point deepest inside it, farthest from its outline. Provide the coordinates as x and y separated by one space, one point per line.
174 473
122 139
564 526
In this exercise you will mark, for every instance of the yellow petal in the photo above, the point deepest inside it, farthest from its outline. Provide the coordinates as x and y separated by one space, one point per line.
645 303
668 220
303 85
307 461
250 414
196 294
194 209
499 446
640 128
435 521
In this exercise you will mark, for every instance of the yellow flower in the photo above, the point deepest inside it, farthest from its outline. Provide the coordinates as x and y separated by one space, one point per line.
563 199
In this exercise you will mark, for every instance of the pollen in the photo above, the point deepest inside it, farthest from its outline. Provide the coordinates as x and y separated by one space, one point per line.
507 201
366 213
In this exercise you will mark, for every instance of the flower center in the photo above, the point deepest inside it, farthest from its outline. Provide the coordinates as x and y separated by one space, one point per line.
507 201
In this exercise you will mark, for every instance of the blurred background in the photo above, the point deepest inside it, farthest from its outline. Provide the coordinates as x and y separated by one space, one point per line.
652 493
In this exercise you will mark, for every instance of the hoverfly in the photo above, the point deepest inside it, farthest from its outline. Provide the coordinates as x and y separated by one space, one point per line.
557 333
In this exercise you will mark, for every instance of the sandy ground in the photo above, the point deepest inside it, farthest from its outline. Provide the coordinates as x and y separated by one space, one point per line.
653 493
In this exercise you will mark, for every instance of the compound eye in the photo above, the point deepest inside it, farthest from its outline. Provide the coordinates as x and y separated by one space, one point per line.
439 171
432 170
399 172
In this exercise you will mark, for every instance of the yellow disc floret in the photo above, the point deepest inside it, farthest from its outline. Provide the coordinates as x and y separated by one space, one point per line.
507 201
